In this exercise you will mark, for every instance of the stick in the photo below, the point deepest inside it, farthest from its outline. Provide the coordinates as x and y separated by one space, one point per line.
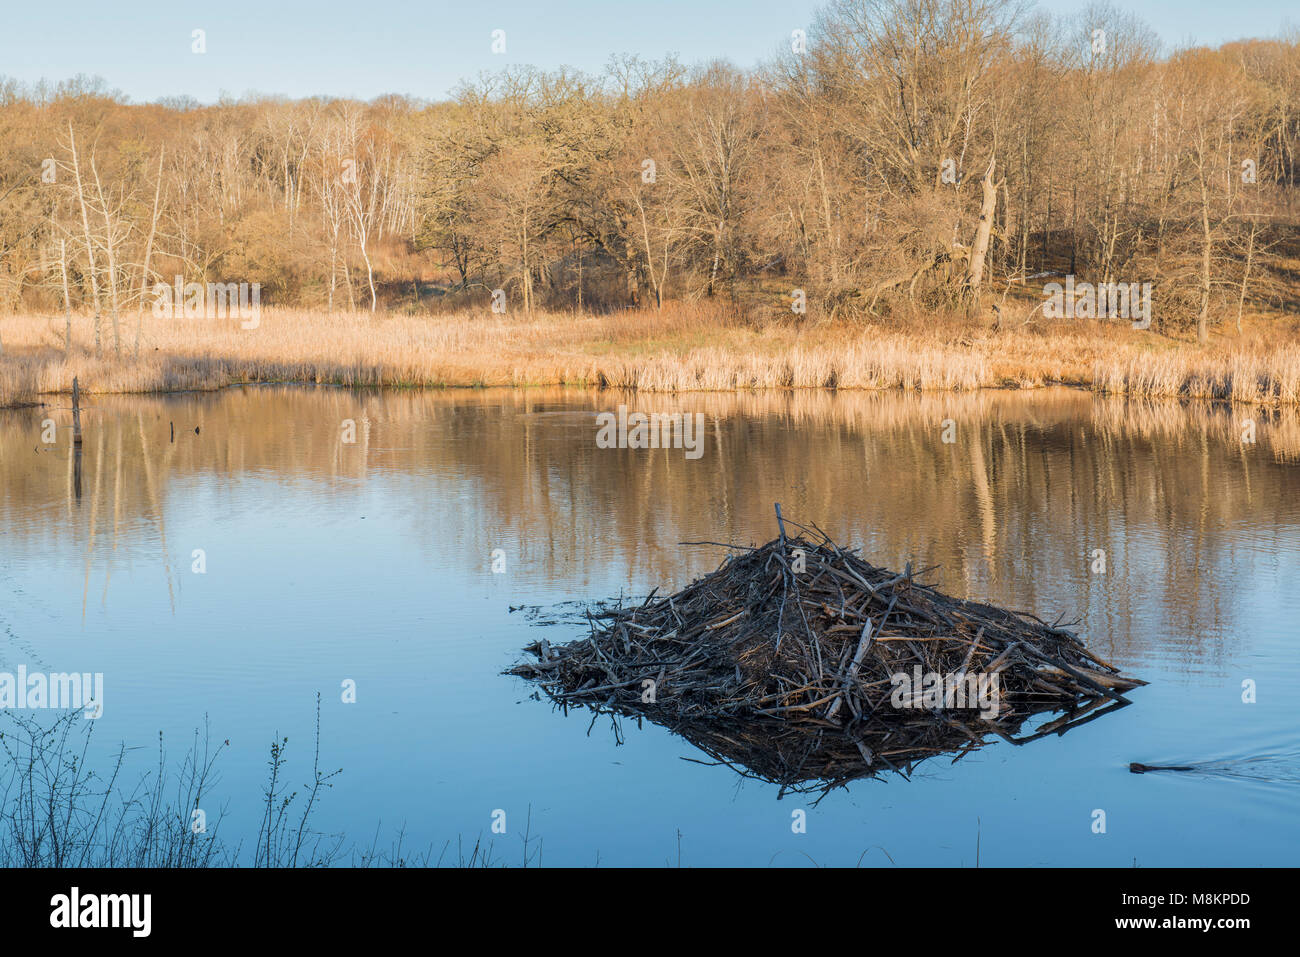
863 644
76 412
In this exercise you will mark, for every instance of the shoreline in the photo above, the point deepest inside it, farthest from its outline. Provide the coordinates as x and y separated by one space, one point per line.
677 351
1082 388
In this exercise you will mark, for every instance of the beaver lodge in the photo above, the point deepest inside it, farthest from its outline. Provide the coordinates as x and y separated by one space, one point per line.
803 664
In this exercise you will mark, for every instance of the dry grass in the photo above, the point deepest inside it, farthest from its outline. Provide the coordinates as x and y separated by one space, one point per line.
684 348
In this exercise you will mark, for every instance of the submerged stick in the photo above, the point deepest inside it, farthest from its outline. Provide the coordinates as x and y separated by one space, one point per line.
76 412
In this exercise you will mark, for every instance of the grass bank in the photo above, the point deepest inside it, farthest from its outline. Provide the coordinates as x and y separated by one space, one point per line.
683 348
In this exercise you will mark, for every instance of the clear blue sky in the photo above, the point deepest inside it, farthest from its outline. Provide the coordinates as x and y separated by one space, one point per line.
363 48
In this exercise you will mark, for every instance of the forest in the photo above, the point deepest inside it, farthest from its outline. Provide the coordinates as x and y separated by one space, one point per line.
897 159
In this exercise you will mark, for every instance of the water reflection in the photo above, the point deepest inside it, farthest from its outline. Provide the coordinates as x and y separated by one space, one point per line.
1016 509
800 759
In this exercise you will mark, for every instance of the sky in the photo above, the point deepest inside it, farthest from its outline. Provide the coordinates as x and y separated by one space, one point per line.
366 48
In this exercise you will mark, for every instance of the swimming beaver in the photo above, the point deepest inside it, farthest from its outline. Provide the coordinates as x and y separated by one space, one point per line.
1144 768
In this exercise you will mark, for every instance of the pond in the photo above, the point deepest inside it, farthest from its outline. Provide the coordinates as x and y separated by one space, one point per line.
229 555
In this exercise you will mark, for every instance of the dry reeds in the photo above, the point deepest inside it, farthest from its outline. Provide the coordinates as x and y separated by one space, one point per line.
1270 377
684 348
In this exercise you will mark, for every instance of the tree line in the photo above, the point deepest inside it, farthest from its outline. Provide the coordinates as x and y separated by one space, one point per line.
896 157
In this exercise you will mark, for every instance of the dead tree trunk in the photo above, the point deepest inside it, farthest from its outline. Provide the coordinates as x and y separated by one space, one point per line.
90 243
1245 273
67 301
148 253
112 259
979 250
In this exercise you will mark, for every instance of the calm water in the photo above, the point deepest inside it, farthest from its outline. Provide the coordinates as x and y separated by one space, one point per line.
372 561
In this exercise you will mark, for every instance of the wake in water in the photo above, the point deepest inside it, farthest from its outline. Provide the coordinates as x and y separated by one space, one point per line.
1276 768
